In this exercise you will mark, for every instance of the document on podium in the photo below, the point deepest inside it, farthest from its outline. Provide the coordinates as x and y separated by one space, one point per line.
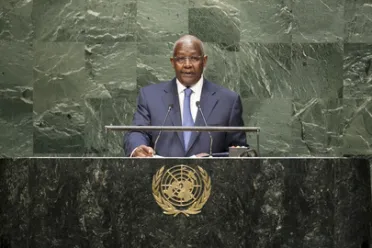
221 154
158 156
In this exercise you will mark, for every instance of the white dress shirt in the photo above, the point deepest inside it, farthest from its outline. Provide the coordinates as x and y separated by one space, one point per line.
195 96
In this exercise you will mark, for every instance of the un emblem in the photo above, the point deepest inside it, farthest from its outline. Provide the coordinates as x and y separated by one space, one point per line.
181 189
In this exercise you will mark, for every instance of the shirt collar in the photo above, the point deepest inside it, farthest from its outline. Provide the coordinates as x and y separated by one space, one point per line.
195 88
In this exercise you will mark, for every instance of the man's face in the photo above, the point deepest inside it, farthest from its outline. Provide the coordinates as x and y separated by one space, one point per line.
188 62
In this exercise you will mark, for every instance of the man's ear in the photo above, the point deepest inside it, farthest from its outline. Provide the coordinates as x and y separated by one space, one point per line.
205 59
172 62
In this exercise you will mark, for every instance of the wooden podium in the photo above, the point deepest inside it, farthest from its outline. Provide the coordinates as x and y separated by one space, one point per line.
252 202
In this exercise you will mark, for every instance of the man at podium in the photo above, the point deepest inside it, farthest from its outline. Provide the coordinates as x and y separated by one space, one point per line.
182 102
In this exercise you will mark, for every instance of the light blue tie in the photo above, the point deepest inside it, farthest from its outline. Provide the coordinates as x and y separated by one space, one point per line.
187 117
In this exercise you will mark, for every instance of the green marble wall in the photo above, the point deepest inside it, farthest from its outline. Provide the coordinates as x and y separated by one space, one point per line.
67 68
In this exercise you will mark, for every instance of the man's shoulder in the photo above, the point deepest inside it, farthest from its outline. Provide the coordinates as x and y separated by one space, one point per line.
223 90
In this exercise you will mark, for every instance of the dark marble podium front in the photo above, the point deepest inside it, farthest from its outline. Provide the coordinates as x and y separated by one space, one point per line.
255 202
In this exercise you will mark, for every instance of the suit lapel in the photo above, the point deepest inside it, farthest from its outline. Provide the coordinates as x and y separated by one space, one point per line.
208 101
171 97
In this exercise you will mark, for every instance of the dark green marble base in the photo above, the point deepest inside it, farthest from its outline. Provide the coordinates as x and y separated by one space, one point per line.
103 202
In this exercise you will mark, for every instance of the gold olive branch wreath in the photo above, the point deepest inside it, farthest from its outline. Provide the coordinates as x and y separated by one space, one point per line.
168 208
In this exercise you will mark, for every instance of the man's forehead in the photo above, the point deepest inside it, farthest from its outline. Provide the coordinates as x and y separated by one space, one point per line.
188 47
187 50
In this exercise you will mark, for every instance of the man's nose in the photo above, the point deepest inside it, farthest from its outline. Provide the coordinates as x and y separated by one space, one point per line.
187 62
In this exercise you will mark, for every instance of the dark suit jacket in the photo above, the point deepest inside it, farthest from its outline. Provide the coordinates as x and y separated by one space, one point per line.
221 107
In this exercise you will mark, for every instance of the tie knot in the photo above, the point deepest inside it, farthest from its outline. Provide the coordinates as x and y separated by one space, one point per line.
188 92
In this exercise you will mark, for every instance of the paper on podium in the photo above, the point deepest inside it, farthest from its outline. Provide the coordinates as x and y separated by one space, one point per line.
158 156
193 156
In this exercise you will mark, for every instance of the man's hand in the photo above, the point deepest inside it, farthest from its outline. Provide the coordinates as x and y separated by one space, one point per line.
200 155
143 151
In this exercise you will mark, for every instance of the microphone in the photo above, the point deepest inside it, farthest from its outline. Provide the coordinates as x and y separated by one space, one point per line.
170 106
205 122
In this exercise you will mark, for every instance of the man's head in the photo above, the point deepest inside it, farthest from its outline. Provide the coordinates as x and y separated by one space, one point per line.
188 59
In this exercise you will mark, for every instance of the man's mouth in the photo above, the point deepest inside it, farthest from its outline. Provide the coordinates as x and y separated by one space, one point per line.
187 74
